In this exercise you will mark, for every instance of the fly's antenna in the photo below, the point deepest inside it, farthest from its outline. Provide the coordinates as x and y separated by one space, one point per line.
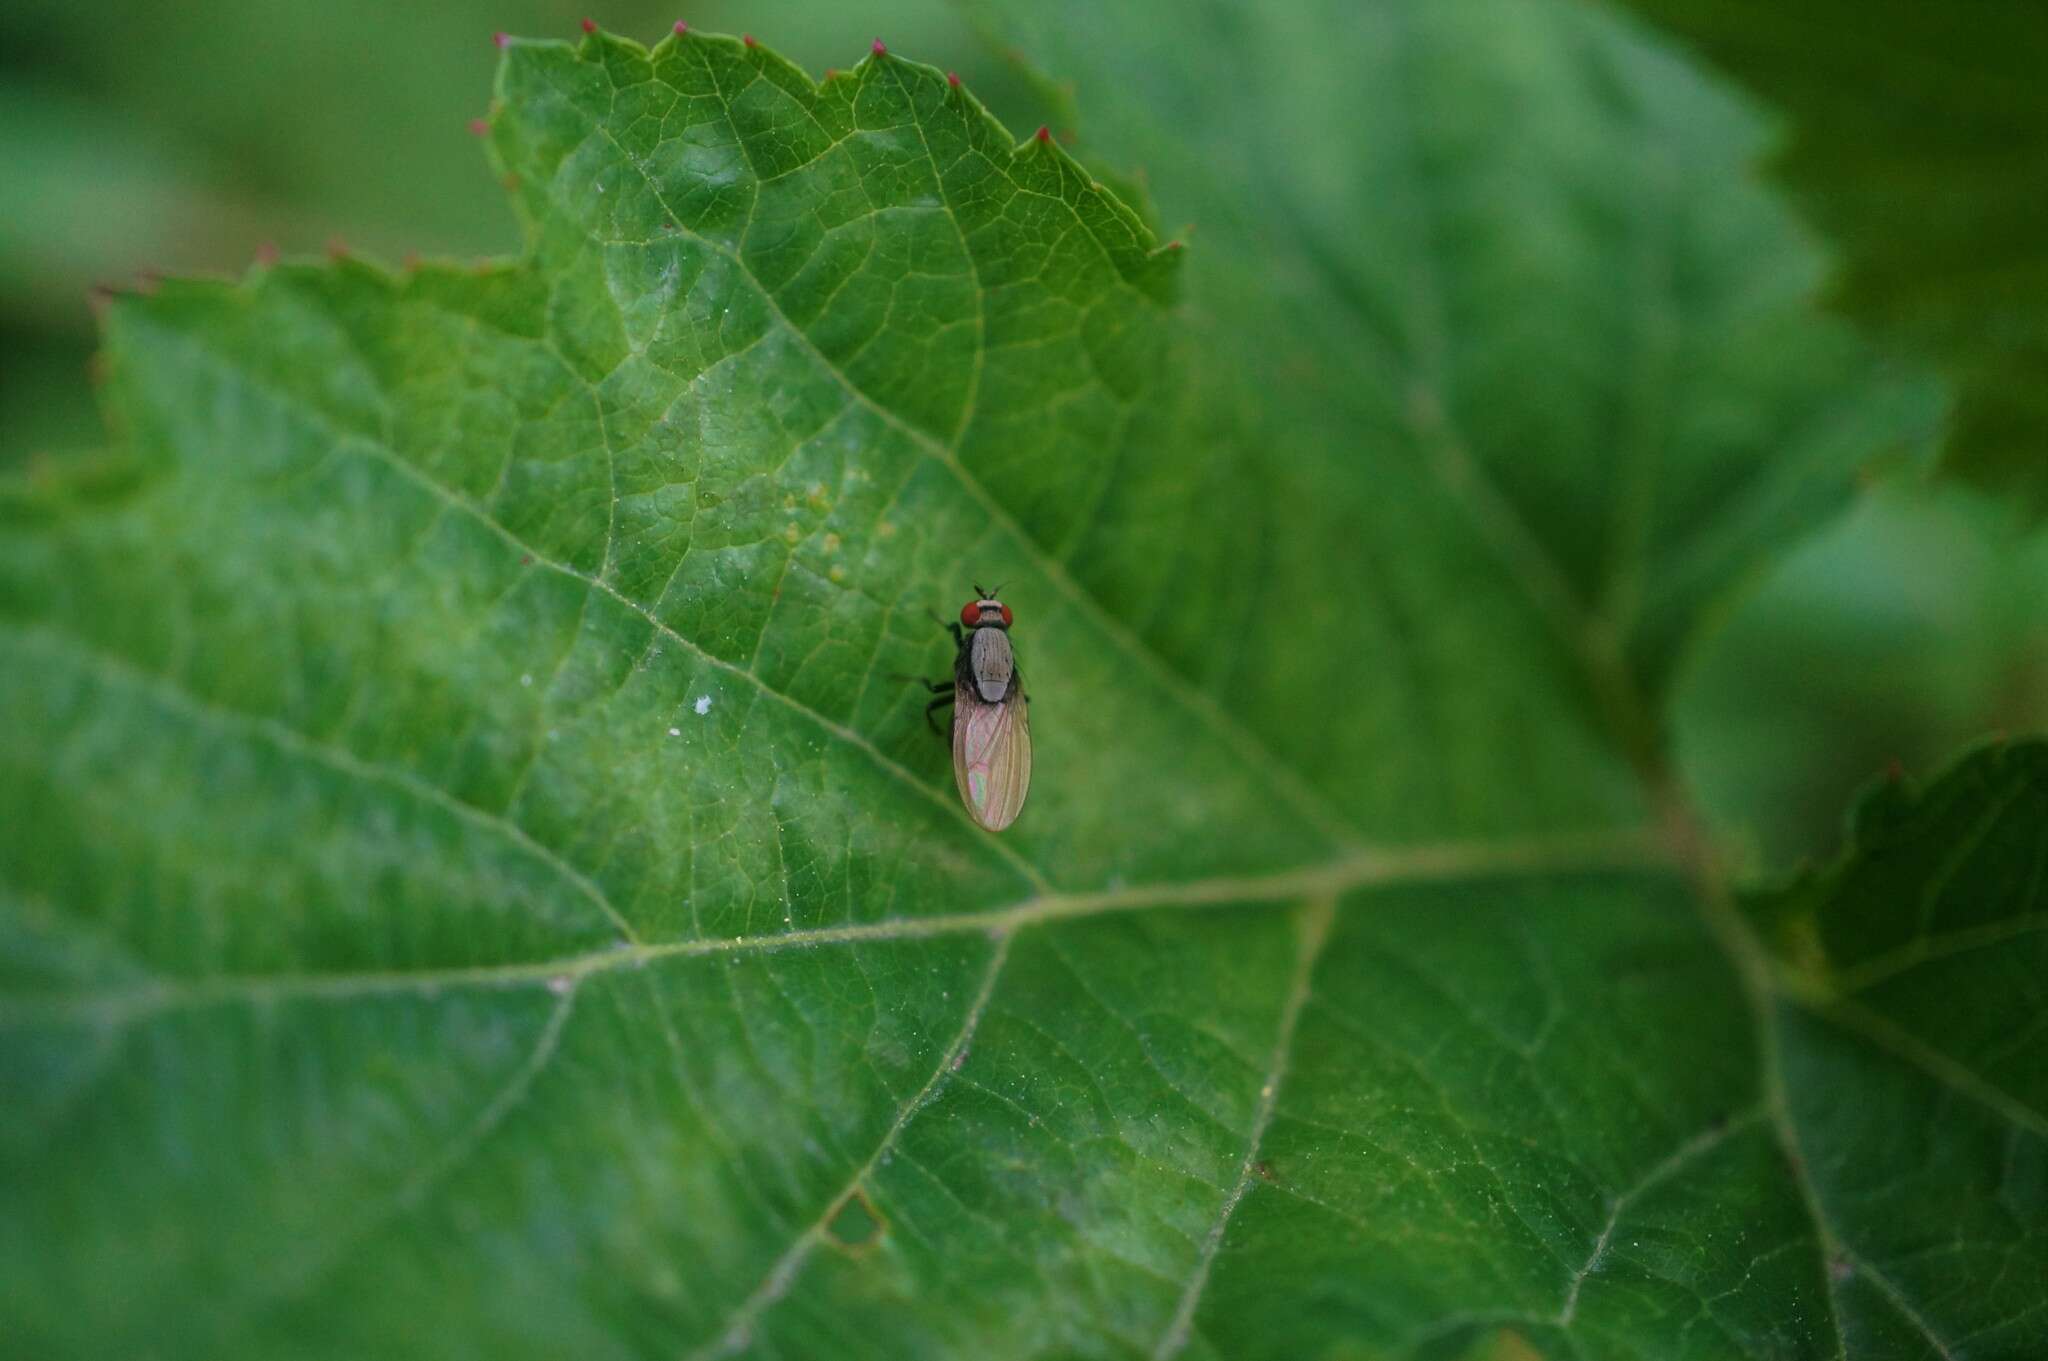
991 595
980 594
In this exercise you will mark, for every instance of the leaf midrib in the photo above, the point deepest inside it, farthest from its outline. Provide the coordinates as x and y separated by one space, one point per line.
1592 853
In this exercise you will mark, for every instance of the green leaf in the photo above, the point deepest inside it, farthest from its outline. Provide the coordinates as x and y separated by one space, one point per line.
1915 139
1916 1066
472 882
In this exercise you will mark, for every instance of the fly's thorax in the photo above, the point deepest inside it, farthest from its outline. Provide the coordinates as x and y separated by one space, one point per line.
991 663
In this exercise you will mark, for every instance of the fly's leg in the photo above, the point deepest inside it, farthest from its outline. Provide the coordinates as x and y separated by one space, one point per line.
943 690
944 687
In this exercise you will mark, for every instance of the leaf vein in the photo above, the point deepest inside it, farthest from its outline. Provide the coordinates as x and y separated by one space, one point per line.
736 1331
1313 928
1694 1148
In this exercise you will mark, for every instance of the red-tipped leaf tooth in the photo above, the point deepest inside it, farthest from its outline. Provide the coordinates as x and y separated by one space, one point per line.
831 73
953 79
747 38
479 126
501 38
1044 133
411 261
337 249
681 28
590 25
266 252
878 49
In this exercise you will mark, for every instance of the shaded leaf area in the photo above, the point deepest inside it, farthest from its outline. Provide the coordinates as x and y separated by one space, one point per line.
1915 138
1916 1058
469 856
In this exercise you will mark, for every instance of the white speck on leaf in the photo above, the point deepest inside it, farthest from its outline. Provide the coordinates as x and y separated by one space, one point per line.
526 679
675 732
703 705
560 984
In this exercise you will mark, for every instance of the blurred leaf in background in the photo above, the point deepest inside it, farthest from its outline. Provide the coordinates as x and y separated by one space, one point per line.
1917 137
172 138
1913 627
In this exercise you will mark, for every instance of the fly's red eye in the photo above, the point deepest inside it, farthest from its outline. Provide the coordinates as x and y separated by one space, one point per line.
1006 616
970 613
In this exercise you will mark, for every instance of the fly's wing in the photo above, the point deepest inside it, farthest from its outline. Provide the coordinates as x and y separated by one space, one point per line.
991 754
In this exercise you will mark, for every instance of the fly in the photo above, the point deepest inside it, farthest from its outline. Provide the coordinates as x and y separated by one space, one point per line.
991 714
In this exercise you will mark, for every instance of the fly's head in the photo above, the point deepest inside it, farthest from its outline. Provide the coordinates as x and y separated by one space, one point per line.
985 611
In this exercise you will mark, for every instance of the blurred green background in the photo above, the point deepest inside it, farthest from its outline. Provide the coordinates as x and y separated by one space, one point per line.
180 138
